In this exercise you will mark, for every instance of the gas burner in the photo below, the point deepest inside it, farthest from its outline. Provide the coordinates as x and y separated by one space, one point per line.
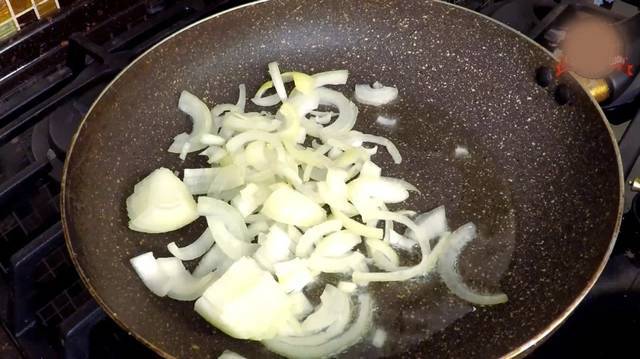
51 137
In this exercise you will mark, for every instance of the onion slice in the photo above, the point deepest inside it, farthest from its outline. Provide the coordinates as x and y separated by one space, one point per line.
447 267
377 95
194 250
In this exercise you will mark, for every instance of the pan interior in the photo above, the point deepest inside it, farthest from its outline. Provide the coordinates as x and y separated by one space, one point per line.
542 182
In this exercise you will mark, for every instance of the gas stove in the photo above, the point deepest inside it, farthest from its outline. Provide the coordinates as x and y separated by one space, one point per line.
57 56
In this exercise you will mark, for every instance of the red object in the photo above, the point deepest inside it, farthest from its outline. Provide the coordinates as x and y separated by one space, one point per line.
561 67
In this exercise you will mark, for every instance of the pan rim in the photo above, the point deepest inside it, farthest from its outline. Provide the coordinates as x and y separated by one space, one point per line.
520 350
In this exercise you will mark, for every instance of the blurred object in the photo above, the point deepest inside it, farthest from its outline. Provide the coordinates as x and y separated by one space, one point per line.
17 14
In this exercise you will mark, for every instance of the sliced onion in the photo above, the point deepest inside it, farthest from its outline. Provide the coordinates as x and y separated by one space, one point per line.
184 286
151 274
275 248
379 337
376 96
334 305
347 109
384 257
299 211
314 234
357 227
347 287
336 244
293 275
386 121
300 305
228 354
345 264
242 97
194 250
213 259
214 155
216 209
391 148
336 77
447 267
198 180
250 198
160 203
430 224
351 336
276 77
202 123
226 178
232 246
241 122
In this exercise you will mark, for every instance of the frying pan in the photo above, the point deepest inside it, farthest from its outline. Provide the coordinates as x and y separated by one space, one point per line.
543 182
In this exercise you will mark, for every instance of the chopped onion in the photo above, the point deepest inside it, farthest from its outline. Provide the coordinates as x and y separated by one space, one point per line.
214 259
375 96
202 122
250 198
233 247
384 257
298 211
391 148
184 286
336 77
447 267
242 97
228 354
334 346
293 275
379 337
347 109
275 248
357 227
160 203
215 209
347 287
314 234
230 303
336 244
152 276
386 121
300 305
194 250
461 152
276 77
345 264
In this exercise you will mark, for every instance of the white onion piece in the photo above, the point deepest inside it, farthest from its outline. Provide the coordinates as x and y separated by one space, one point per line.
357 227
426 265
198 180
383 255
151 274
213 259
275 248
211 140
447 267
202 122
314 234
347 287
216 209
381 189
391 148
334 305
194 250
238 141
303 82
345 264
160 203
336 244
184 286
250 198
228 354
267 101
379 337
300 305
226 178
246 302
233 247
336 77
242 97
218 110
375 96
351 336
276 77
256 228
430 224
298 211
293 275
214 154
347 109
386 121
242 122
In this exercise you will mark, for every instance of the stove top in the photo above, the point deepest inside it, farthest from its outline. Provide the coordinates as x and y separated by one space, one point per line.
52 70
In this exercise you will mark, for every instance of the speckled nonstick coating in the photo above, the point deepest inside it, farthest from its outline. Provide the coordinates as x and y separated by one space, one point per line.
543 182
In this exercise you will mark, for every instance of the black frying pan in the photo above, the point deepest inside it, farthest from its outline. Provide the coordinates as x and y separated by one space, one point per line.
543 183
